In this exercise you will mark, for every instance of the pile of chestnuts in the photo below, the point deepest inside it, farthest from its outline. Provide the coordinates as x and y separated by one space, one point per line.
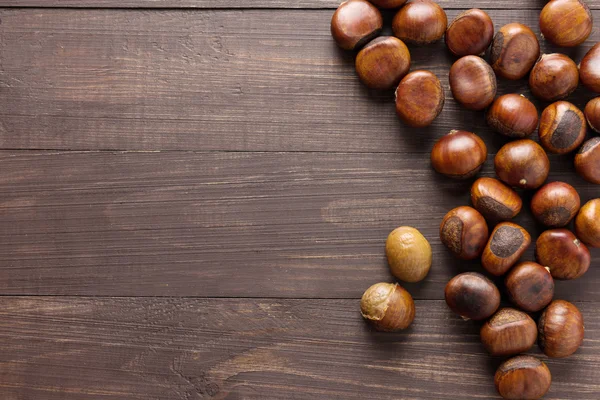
484 231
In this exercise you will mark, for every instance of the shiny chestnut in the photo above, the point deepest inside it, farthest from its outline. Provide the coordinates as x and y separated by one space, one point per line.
592 113
507 244
494 200
388 3
562 127
419 98
555 204
513 115
508 332
587 223
523 377
355 23
388 307
565 255
464 232
566 23
530 286
515 49
589 69
470 33
383 62
472 296
522 163
459 154
420 22
473 82
554 77
560 329
587 160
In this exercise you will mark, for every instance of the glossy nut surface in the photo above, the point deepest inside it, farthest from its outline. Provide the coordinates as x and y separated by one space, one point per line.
473 82
560 329
562 127
523 377
470 33
464 232
419 98
589 69
554 77
508 332
459 154
515 49
565 255
388 3
507 244
355 23
494 200
522 163
388 307
513 115
530 286
592 113
587 161
587 223
383 62
420 22
555 204
408 254
566 23
472 296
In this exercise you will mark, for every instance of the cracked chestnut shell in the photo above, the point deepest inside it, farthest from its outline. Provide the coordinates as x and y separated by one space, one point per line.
473 82
523 377
464 232
587 161
589 69
419 99
383 62
515 49
592 113
388 307
507 244
470 33
522 163
530 286
554 77
388 3
513 115
459 154
355 23
587 223
560 329
508 332
565 255
420 22
408 254
555 204
566 23
562 127
472 296
494 200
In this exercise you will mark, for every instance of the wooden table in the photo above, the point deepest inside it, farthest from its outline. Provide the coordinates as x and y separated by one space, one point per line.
196 193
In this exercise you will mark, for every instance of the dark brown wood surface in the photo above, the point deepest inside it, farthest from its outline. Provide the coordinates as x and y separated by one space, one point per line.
196 193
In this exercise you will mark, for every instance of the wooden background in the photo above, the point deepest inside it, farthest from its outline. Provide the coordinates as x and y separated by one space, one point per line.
196 193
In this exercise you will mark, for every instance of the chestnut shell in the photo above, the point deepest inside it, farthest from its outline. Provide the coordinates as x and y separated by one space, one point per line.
522 163
506 245
565 255
587 223
472 296
587 161
383 62
560 329
592 113
515 49
459 154
523 377
420 22
494 200
530 286
473 82
562 127
555 204
554 77
589 69
566 23
513 115
508 332
355 23
419 98
464 232
388 307
470 33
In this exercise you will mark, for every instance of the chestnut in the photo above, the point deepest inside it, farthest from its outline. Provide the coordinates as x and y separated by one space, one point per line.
507 244
553 77
515 49
555 204
566 23
560 329
472 296
388 307
589 69
470 33
562 127
523 377
587 160
473 82
355 23
388 3
592 113
530 286
459 154
464 232
419 99
408 254
565 256
383 62
513 115
508 332
494 200
522 163
420 22
587 223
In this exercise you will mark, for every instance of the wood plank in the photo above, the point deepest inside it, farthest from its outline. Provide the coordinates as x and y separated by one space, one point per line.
252 80
181 349
228 224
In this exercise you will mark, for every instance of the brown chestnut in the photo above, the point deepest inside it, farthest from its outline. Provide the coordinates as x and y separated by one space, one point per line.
494 200
530 286
459 154
464 232
522 163
383 62
523 377
408 254
565 256
553 77
555 204
470 33
562 127
472 296
515 49
566 23
388 307
560 329
587 223
587 161
419 99
473 82
507 244
388 3
592 113
355 23
508 332
513 115
589 69
420 22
